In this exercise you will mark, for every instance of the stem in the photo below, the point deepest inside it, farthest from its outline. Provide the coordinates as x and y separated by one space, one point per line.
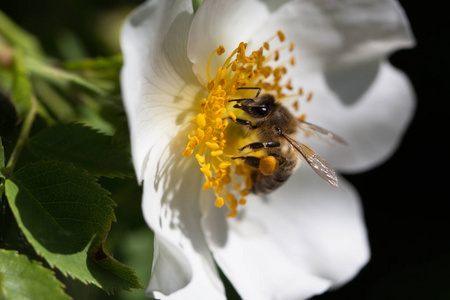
23 137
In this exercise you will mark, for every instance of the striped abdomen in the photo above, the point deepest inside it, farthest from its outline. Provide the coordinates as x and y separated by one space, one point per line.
264 184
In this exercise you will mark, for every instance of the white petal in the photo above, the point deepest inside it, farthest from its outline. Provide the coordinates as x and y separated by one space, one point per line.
182 265
158 84
341 50
330 34
373 126
292 244
226 23
160 90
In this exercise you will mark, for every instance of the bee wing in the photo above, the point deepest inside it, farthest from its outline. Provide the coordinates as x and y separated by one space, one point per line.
319 165
321 133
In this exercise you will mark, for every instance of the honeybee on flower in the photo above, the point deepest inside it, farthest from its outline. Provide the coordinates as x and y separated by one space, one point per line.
196 85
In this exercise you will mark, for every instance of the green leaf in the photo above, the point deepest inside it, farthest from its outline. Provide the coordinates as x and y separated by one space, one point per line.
22 92
70 45
51 99
19 38
83 147
196 4
60 77
137 249
22 278
102 71
65 215
101 64
6 77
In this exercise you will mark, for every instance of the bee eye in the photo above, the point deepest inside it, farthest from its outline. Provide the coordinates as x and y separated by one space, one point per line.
259 111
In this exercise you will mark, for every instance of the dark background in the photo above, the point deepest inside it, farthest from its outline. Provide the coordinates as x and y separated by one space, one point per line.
404 199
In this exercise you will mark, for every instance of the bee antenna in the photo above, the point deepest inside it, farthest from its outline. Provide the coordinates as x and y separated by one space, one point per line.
251 88
242 99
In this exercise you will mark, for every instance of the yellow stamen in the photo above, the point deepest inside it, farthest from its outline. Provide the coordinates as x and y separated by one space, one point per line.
281 35
225 165
208 184
291 47
214 140
216 153
219 202
232 115
220 50
213 146
188 151
292 61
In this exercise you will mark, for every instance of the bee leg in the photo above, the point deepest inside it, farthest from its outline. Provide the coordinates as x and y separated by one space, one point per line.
243 123
260 145
252 161
266 165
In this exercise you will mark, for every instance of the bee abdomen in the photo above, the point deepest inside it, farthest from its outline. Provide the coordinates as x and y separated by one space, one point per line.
264 184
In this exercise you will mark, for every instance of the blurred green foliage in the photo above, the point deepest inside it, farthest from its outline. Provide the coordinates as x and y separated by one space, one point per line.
62 58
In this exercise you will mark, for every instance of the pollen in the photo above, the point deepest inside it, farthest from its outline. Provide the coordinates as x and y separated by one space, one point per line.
268 165
217 137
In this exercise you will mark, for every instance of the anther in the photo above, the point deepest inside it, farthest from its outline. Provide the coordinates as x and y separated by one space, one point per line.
220 50
291 47
219 202
210 85
281 35
292 61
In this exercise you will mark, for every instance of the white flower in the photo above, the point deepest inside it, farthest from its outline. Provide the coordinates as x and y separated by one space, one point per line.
307 236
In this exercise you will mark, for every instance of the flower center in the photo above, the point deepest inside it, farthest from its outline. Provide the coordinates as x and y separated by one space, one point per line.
217 139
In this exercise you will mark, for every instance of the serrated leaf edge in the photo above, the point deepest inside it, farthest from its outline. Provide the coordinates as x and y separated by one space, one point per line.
39 264
89 245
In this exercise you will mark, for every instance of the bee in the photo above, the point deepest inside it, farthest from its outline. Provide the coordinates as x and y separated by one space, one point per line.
274 126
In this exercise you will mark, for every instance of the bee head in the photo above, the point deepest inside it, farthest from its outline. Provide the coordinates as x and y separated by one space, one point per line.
259 107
